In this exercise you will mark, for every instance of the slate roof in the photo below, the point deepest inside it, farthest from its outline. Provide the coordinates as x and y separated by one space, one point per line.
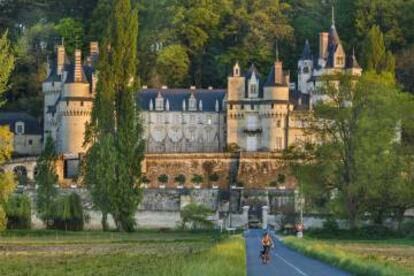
176 96
31 125
53 76
352 61
71 74
333 43
306 53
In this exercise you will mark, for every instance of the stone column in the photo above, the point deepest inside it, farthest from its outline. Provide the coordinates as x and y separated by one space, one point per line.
246 216
265 213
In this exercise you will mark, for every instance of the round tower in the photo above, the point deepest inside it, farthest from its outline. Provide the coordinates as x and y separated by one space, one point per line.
74 109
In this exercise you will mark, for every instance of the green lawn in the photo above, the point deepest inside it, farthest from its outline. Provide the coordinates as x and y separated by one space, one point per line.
361 257
98 253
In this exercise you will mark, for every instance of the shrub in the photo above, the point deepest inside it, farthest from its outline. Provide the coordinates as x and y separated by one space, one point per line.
180 179
18 212
163 178
196 215
375 231
330 225
69 213
407 228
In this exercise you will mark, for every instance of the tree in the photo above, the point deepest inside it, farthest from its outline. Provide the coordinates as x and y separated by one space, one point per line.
405 68
72 31
196 215
172 65
6 64
115 117
376 57
46 179
7 182
347 169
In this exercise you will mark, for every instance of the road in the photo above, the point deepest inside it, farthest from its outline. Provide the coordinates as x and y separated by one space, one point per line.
284 261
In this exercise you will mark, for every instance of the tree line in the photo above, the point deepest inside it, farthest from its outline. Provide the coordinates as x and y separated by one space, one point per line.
183 43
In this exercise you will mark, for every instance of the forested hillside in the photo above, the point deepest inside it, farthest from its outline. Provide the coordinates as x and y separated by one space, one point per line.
196 42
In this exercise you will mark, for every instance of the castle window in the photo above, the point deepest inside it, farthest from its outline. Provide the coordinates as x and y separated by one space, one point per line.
306 70
192 103
242 106
81 103
252 107
278 123
30 142
19 128
231 107
159 103
340 61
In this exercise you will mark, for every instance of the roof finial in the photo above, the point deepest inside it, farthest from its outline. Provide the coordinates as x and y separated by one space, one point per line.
333 15
277 51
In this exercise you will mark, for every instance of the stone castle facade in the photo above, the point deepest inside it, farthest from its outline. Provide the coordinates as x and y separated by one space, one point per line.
253 114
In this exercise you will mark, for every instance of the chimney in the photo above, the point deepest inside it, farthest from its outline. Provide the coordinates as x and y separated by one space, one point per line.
323 45
60 59
78 65
279 72
93 49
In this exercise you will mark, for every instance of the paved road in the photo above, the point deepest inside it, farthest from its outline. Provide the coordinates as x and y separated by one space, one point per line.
284 262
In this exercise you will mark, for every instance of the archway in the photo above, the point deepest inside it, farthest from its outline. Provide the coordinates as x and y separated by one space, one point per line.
20 173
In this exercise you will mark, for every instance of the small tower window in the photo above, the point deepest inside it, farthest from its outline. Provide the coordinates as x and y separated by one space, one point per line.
19 128
340 61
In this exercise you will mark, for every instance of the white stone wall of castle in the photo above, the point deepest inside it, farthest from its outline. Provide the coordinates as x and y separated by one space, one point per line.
27 144
305 69
236 88
184 131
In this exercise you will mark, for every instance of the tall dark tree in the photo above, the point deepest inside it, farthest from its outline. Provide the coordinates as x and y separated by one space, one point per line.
46 179
115 120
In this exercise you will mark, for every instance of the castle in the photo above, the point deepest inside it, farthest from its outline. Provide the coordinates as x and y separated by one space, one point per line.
253 114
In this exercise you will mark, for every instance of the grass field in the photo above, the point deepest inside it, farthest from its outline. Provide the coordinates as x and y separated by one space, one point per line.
361 257
141 253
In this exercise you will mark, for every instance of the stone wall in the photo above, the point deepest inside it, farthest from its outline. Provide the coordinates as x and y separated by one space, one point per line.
252 170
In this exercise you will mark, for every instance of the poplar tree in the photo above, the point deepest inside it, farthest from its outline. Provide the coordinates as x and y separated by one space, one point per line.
46 179
115 131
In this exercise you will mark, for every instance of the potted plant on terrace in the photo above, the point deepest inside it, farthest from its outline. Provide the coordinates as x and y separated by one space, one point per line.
197 180
144 182
214 178
163 179
180 180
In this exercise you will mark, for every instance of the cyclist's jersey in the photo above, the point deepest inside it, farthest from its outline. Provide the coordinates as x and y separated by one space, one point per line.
267 241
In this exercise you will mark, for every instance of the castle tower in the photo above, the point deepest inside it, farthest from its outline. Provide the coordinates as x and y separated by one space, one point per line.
275 116
236 86
52 89
74 109
305 68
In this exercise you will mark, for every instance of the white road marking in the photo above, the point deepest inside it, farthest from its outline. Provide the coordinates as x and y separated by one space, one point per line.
291 265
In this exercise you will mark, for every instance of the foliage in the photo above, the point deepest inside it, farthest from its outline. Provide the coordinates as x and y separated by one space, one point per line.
407 228
172 65
376 57
46 179
7 182
115 122
330 225
405 68
68 213
352 168
163 178
196 215
72 31
19 212
180 179
214 177
6 63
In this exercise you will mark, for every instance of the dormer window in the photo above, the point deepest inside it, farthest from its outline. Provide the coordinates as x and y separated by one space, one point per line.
19 128
340 61
192 103
159 103
253 86
200 105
